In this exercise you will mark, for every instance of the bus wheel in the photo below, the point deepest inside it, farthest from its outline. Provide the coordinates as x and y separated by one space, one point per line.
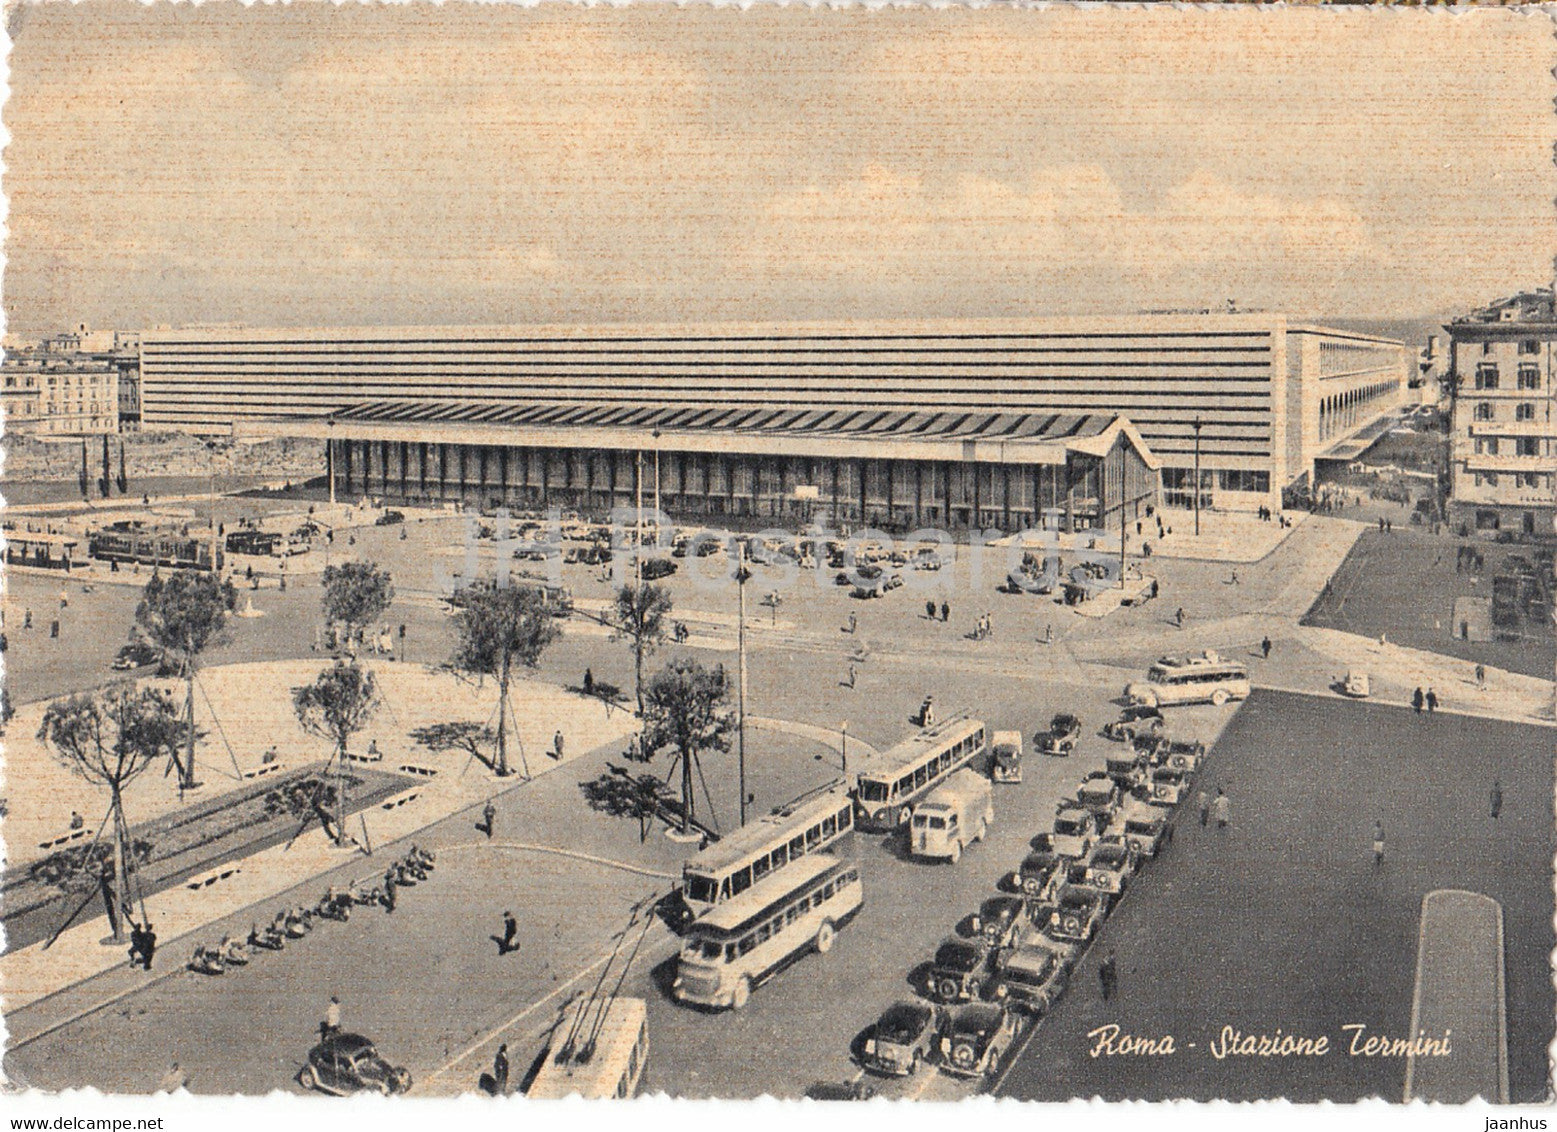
824 936
742 993
1218 697
956 852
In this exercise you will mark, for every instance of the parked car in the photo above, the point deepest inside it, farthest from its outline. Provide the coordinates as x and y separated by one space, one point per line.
1112 864
654 569
1060 739
1075 829
1040 871
344 1064
1165 788
1126 767
1033 976
389 519
975 1039
1078 913
999 920
136 654
1181 754
962 969
1356 685
903 1038
1143 826
1100 796
1135 719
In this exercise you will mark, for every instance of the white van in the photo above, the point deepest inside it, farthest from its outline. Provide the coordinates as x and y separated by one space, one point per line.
952 817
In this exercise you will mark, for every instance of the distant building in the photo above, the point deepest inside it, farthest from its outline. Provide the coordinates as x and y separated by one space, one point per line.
126 358
1503 455
917 421
59 389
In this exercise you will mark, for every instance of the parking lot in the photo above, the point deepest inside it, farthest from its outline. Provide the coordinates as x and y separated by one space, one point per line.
1283 920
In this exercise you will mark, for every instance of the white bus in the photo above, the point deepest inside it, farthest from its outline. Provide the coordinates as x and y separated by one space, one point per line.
1202 679
598 1053
894 781
751 937
733 864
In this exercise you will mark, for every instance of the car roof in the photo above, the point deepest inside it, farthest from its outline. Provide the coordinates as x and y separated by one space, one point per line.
346 1043
980 1015
906 1011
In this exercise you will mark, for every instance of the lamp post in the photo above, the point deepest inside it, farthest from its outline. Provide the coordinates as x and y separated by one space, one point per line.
657 532
844 746
1197 475
740 687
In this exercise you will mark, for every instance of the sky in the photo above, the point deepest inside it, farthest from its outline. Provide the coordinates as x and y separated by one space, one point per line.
360 165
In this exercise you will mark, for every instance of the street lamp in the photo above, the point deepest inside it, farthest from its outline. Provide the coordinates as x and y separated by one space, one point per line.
741 574
1197 475
656 435
844 746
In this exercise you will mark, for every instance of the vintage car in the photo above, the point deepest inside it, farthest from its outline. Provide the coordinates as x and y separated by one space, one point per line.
1040 871
1356 684
1060 739
1112 864
389 519
975 1039
903 1039
1005 756
1181 754
1166 787
344 1064
1075 829
962 969
1135 719
654 569
1078 913
1033 976
1099 795
1000 920
137 654
1142 826
1127 767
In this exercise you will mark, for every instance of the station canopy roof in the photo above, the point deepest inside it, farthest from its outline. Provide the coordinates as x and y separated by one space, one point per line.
1018 436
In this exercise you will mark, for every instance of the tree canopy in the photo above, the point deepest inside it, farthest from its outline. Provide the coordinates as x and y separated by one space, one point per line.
337 704
685 706
110 736
638 616
356 593
186 611
501 626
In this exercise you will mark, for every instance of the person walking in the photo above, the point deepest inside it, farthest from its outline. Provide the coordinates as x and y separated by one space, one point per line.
488 819
509 940
1178 618
27 618
929 610
500 1071
391 883
1203 800
556 746
1481 676
1432 701
1497 798
1265 648
589 682
854 623
945 612
1108 976
1222 808
1378 843
1417 700
148 944
850 681
332 1019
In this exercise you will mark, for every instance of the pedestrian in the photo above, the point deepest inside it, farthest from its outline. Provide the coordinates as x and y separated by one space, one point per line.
488 818
1233 581
1265 648
1378 843
945 612
148 944
173 1080
500 1071
1481 676
556 746
1048 633
589 682
851 676
1432 701
510 939
1178 618
1381 524
1108 976
332 1019
854 623
27 618
1203 800
1417 700
1222 808
136 939
929 610
54 629
391 885
76 820
1497 798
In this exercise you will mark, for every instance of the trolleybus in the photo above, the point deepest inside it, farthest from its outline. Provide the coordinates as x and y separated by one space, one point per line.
732 865
751 937
598 1053
891 783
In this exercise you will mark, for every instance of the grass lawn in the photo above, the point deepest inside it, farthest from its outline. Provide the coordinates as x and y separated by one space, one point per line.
1283 920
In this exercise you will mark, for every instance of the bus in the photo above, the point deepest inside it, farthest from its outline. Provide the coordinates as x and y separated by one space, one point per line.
892 782
599 1053
751 937
1203 679
253 542
732 865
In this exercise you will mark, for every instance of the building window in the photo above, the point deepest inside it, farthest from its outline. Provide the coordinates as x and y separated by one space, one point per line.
1239 479
1529 377
1491 478
1529 346
1487 376
1528 445
1484 410
1524 411
1486 520
1530 479
1486 347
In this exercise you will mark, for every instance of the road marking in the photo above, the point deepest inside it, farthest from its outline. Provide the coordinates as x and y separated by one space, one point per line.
591 858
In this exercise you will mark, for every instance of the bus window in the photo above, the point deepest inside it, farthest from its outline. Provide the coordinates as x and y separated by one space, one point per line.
921 776
762 934
740 881
746 944
797 847
781 856
851 876
759 868
792 915
905 784
702 889
872 790
711 949
814 836
724 889
845 818
729 953
829 826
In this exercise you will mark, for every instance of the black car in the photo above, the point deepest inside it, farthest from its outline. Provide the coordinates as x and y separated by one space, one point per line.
840 1091
344 1064
1000 919
655 568
1136 719
903 1039
975 1040
137 654
1040 870
389 519
962 969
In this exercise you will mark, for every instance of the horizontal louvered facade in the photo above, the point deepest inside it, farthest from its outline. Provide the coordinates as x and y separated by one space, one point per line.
1253 382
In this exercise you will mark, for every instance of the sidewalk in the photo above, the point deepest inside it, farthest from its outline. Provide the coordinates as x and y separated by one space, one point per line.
1225 536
